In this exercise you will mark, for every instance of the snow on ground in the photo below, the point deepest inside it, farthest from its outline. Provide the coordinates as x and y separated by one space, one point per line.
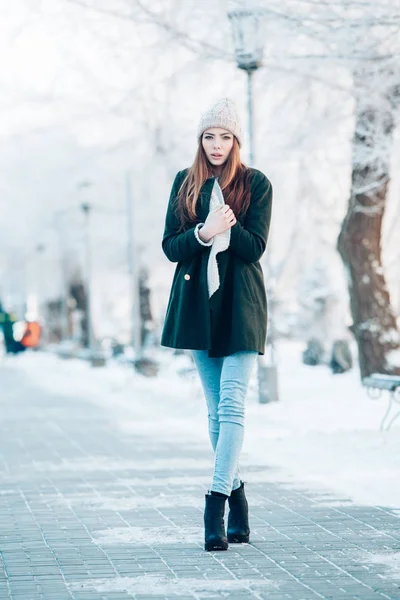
159 584
390 561
323 433
167 534
132 500
326 431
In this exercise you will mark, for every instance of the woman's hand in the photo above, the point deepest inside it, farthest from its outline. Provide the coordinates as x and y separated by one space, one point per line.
218 221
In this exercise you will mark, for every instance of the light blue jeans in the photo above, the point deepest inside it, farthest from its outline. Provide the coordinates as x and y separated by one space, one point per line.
225 381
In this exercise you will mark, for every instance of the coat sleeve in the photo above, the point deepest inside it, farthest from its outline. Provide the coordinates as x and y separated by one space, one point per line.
248 241
178 246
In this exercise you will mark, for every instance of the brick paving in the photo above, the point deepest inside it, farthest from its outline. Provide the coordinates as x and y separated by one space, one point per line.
90 512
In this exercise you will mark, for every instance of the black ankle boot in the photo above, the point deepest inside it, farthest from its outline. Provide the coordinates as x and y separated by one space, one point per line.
238 518
214 526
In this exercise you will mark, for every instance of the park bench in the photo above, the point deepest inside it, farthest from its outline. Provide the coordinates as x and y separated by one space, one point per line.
378 383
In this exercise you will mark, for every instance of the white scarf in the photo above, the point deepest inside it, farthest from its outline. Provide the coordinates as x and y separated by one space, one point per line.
220 243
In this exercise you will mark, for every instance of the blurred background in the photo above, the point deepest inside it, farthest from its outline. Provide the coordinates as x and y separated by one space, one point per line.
99 106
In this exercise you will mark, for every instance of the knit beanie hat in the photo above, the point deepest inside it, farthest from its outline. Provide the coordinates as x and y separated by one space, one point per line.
222 114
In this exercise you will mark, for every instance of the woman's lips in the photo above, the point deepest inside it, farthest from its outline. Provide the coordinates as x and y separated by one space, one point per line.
216 155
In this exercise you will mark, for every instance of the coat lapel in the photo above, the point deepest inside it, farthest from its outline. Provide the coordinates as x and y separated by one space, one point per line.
203 203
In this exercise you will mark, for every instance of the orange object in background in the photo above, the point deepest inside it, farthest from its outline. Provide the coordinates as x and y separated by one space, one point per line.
31 337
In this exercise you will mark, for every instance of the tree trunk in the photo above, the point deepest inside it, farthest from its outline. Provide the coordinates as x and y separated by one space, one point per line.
374 321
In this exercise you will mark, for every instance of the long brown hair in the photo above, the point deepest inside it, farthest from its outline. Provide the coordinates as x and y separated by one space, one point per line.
234 181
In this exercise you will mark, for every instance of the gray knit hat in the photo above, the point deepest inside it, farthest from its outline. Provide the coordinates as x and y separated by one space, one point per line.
222 114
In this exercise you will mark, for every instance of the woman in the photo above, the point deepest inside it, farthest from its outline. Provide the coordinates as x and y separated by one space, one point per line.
217 306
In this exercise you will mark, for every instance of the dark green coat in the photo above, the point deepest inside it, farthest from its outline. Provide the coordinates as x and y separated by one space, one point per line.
187 320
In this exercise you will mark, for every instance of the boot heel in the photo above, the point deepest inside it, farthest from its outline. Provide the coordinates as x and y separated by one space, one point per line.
214 546
238 538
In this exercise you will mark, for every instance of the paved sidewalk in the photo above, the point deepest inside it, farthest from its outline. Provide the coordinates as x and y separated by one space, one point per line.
90 511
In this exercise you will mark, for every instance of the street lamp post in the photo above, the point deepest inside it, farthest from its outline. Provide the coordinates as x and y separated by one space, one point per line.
133 259
250 113
88 274
248 41
40 292
59 227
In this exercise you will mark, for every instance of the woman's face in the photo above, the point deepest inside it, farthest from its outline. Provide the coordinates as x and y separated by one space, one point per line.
217 144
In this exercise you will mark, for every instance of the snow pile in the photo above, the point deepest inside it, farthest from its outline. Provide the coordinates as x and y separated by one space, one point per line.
325 432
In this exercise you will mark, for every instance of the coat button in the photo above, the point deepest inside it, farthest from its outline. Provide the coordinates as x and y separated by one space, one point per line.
187 276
